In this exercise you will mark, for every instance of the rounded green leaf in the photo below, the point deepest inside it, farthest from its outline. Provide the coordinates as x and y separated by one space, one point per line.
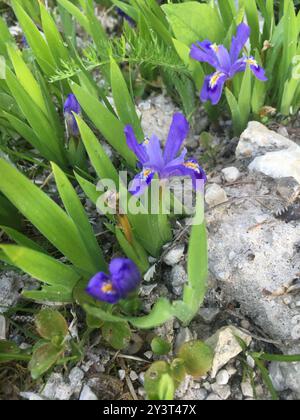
160 346
51 324
197 357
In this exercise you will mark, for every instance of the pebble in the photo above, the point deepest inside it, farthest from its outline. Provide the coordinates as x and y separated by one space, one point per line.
223 391
222 377
174 256
247 389
250 362
231 174
215 195
122 374
213 397
148 355
87 394
133 376
208 315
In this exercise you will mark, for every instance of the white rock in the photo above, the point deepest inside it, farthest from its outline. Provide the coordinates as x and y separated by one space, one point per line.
87 394
226 346
133 376
215 195
2 328
208 315
213 397
283 164
122 374
184 336
257 139
223 391
285 376
150 274
231 174
247 389
222 377
174 256
11 283
31 396
57 389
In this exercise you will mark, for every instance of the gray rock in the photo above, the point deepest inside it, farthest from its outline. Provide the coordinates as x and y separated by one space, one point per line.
10 285
174 256
57 389
2 328
208 315
178 278
257 139
223 391
87 394
213 397
222 377
231 174
247 389
265 262
184 336
226 347
285 376
215 195
31 396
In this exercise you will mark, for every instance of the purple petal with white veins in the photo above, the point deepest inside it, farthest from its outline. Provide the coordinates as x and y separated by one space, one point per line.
141 182
178 133
154 152
195 172
224 62
259 72
239 41
138 149
213 87
203 52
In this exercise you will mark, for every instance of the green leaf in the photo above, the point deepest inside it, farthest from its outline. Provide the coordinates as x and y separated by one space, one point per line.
158 382
197 357
192 21
78 15
244 99
9 352
54 39
253 22
235 112
160 346
43 358
117 334
36 41
110 127
77 213
51 324
133 251
21 239
9 216
46 215
123 101
42 267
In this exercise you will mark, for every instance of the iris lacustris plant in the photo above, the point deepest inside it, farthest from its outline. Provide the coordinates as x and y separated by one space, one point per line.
71 107
166 164
226 63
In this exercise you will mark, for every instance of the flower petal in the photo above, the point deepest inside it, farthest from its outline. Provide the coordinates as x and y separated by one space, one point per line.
178 132
71 105
204 52
138 149
239 41
101 288
213 87
259 72
154 152
190 168
139 184
224 62
125 276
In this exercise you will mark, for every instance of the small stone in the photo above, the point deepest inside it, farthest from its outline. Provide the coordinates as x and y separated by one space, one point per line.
133 376
11 284
223 391
2 328
76 377
174 256
142 378
150 274
208 315
213 397
226 347
222 377
231 174
247 389
231 371
184 336
206 386
87 394
285 376
57 389
178 276
122 374
147 290
31 396
215 195
245 324
298 304
250 362
148 355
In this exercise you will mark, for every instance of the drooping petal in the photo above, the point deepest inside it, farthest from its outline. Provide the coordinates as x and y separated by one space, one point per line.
178 133
125 276
141 182
213 87
101 288
190 168
238 67
239 41
204 52
154 152
138 149
259 72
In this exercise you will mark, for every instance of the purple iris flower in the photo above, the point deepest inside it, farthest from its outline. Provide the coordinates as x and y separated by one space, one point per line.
165 164
123 278
71 105
227 63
